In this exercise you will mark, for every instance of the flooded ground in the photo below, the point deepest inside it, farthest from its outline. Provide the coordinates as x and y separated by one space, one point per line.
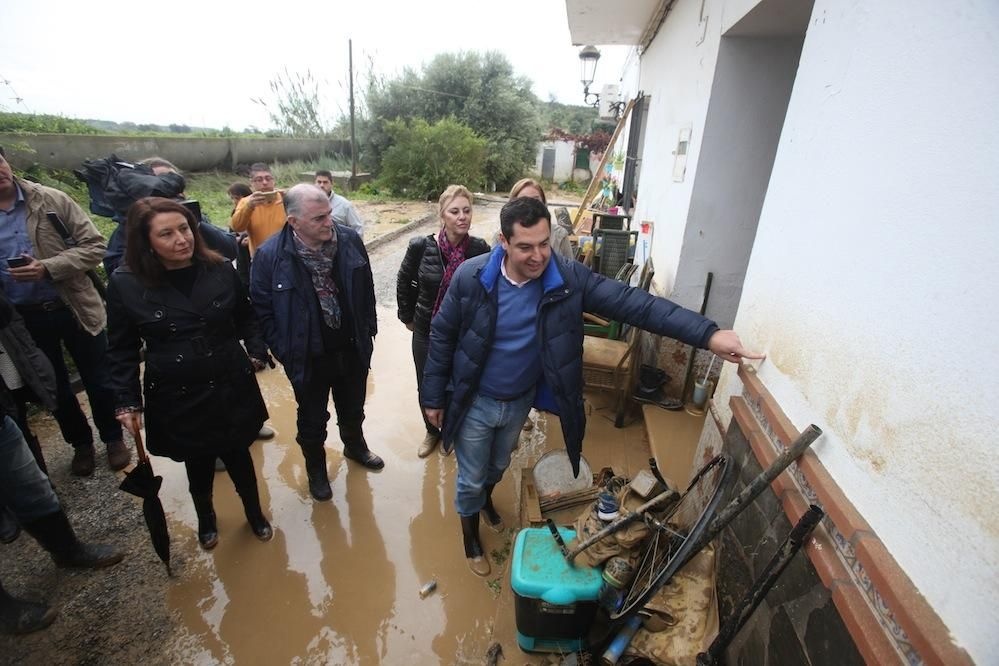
340 581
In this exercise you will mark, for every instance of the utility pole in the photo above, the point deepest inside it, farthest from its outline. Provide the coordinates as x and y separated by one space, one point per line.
353 139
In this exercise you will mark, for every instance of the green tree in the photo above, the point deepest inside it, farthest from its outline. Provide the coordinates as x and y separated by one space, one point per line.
480 91
424 159
573 119
296 108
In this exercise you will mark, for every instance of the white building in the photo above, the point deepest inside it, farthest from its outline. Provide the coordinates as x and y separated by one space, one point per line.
839 183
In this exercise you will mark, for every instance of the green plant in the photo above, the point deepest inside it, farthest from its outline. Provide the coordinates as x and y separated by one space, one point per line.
44 124
424 159
573 187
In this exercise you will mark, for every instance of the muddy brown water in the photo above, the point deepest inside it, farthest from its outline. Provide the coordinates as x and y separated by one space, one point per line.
340 581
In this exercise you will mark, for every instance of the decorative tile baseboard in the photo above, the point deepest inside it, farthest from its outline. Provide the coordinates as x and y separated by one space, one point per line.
886 615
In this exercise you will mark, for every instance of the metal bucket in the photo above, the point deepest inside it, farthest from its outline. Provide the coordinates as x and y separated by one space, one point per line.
553 474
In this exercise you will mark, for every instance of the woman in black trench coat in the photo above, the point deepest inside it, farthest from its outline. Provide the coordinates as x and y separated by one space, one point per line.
201 395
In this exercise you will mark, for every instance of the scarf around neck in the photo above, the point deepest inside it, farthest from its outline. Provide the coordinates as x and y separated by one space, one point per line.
452 256
320 266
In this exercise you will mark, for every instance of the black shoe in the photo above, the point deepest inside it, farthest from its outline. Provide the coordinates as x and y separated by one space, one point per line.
261 528
54 533
208 531
366 458
315 468
9 528
83 461
254 514
18 616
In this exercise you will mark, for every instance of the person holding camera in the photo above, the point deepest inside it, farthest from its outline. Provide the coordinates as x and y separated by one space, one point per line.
200 396
46 278
262 213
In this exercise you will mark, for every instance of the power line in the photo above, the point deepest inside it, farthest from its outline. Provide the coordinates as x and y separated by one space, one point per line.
17 98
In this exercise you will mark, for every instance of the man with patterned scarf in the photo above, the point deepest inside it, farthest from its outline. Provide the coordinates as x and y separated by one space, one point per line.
312 288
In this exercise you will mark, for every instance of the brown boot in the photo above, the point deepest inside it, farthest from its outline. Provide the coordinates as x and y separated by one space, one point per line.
118 455
474 555
428 445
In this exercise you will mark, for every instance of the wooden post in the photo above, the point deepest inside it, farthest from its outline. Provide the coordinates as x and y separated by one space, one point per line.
595 180
353 140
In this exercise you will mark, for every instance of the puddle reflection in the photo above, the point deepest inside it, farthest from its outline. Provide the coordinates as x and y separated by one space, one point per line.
340 581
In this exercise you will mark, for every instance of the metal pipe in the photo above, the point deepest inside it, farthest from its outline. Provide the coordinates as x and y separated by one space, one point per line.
760 483
620 523
761 586
688 374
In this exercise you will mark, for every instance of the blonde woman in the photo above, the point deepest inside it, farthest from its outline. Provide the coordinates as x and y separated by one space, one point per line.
424 276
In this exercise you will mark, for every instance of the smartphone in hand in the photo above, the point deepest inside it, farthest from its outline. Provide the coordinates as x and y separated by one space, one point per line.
17 262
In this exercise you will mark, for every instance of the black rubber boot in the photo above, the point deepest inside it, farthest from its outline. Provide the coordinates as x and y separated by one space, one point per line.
36 450
9 527
18 616
54 533
474 554
208 531
356 448
254 514
494 521
315 468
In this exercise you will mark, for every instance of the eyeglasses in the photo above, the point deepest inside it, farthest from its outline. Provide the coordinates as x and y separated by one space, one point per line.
262 179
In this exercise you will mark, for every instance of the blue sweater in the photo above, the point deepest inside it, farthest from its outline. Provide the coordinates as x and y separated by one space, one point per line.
514 362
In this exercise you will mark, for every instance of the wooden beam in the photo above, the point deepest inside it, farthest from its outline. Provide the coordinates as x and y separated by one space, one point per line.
595 180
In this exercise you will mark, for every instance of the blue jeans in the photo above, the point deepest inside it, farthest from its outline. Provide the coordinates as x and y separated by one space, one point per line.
483 446
23 487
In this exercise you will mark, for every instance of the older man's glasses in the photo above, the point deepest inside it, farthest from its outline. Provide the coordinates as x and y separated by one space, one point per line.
262 179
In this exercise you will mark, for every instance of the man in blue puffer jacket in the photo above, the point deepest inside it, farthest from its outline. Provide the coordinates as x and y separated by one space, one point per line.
481 378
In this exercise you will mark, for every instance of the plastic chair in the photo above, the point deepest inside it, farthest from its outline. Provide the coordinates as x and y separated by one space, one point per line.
613 248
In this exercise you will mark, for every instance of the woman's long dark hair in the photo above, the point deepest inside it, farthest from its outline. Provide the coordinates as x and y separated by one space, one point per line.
139 254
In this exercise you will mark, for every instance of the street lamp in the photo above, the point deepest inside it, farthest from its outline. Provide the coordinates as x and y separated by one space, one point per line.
588 57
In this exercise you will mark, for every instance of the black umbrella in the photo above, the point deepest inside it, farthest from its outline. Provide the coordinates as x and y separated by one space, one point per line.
141 483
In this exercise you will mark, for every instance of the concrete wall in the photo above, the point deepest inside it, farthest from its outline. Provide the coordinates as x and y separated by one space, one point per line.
872 285
749 97
68 151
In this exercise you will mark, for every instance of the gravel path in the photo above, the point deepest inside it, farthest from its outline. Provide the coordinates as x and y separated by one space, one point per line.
120 615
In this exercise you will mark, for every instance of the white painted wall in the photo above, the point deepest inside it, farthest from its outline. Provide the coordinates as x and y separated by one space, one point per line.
872 283
677 74
749 96
565 155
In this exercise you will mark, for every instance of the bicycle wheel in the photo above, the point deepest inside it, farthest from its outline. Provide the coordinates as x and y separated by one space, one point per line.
674 534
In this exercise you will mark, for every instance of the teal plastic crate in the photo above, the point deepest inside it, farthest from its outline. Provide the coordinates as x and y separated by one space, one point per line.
554 602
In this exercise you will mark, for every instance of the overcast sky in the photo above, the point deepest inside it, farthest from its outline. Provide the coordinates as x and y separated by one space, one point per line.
200 63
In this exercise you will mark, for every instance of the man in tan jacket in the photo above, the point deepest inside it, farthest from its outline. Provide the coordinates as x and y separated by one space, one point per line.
46 279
